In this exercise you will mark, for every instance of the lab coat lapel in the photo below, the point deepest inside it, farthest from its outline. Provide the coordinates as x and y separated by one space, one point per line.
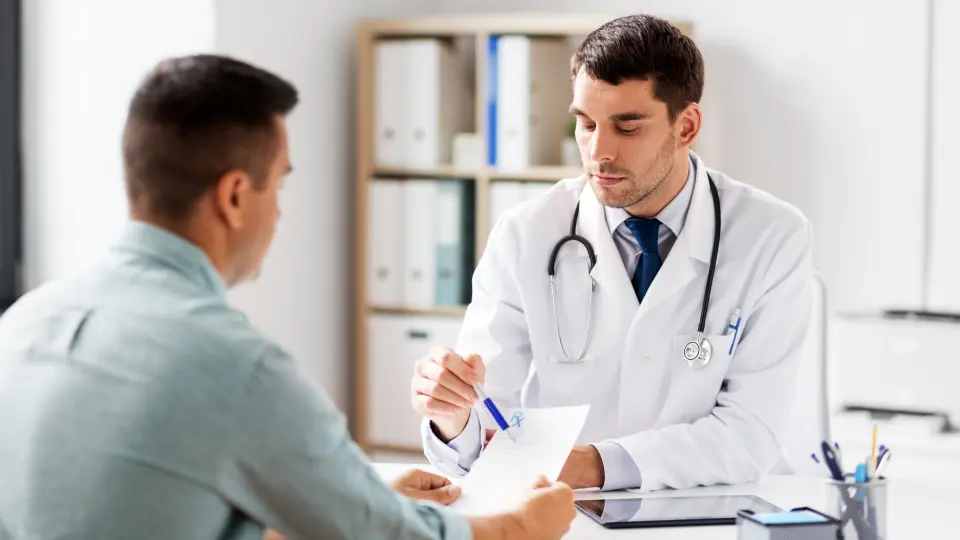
613 283
692 248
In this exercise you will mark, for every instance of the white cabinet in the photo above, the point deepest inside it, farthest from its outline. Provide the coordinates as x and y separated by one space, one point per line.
394 344
895 364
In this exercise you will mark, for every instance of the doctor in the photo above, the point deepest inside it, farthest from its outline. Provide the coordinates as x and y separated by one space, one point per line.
681 325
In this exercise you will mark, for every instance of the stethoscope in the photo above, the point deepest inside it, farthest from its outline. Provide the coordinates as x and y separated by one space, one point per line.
697 353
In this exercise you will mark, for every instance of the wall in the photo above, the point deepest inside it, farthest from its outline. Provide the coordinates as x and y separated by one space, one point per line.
303 298
82 61
821 103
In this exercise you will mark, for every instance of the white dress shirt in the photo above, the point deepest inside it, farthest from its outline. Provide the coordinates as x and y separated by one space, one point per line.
620 471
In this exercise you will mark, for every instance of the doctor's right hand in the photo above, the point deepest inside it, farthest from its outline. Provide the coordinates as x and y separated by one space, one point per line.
442 389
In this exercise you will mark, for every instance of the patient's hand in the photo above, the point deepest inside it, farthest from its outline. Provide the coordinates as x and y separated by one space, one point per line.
422 485
271 534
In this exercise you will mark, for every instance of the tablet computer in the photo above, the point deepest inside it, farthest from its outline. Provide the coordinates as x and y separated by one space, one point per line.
637 512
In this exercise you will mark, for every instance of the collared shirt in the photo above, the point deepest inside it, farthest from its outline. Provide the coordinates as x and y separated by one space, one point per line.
620 470
135 403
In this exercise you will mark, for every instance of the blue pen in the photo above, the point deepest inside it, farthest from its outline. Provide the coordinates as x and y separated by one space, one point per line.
831 460
494 411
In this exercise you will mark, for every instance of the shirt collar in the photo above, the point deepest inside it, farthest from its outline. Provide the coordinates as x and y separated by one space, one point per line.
174 250
673 215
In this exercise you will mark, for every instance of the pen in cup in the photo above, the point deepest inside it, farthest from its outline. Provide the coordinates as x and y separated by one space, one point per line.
494 411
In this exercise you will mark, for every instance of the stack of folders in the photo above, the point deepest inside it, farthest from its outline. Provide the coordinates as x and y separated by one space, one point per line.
505 195
527 99
422 96
420 243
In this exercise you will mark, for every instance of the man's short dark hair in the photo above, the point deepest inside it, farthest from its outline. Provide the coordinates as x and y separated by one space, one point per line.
192 120
644 47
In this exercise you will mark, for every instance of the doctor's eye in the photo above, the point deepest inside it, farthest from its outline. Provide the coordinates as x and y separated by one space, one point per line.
631 131
587 127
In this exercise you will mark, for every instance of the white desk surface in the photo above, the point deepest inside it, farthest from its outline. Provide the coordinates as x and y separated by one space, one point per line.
916 508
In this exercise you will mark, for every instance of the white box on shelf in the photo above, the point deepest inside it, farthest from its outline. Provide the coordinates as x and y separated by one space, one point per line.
394 344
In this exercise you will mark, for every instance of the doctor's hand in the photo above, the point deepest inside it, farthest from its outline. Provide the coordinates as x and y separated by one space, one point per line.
424 486
442 389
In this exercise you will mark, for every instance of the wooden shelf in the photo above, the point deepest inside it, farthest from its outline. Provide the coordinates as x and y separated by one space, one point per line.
536 174
534 24
440 311
533 174
431 172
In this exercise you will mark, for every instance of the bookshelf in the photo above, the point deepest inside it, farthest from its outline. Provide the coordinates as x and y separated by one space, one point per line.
383 418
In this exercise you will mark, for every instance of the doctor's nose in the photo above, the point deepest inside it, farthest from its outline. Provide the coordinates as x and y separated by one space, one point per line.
602 146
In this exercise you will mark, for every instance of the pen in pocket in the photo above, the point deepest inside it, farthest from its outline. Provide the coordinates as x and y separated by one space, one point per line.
735 326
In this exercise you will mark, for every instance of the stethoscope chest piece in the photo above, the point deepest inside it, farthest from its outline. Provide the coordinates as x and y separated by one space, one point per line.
697 353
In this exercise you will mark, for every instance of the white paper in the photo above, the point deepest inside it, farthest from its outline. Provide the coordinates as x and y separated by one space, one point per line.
502 476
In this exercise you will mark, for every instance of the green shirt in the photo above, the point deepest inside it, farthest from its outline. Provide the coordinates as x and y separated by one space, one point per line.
135 403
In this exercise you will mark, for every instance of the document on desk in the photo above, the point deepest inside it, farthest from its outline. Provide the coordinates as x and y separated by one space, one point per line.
506 470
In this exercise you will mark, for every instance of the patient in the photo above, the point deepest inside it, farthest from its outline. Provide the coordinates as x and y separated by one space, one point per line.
135 403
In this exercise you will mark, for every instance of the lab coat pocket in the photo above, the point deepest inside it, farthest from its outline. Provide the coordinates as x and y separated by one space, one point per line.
695 387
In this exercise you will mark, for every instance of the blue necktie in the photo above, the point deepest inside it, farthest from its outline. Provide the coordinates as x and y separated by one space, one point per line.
647 232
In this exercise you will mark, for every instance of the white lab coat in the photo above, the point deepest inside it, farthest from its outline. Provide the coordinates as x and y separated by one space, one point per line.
681 427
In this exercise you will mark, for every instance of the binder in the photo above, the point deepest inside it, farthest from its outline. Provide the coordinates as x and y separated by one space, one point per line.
384 268
437 102
389 100
533 93
492 85
454 241
503 196
535 190
419 244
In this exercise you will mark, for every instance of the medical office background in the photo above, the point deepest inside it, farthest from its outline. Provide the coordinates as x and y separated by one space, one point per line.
844 108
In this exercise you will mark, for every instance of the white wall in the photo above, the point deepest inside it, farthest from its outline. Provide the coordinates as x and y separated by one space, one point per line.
821 103
83 59
303 298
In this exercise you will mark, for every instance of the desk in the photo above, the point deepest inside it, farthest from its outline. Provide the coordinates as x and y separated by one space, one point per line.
917 508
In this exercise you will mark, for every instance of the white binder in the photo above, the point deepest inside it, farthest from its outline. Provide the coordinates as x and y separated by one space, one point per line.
533 94
419 244
389 102
384 268
535 190
503 196
437 104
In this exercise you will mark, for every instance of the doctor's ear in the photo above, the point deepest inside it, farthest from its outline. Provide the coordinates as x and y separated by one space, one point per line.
231 193
687 124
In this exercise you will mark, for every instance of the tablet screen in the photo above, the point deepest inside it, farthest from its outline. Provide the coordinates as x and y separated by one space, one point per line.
672 511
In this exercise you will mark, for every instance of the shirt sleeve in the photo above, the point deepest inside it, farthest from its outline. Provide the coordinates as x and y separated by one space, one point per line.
457 456
292 465
620 471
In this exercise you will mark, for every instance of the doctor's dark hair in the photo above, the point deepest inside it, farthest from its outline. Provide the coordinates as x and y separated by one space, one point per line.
193 119
644 47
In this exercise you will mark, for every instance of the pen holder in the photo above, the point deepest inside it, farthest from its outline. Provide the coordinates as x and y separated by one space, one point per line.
861 508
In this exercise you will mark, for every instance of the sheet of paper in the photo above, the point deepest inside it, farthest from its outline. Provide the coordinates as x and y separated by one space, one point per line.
506 470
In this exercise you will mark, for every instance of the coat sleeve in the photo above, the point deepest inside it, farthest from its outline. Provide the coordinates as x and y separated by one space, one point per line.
494 328
738 441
